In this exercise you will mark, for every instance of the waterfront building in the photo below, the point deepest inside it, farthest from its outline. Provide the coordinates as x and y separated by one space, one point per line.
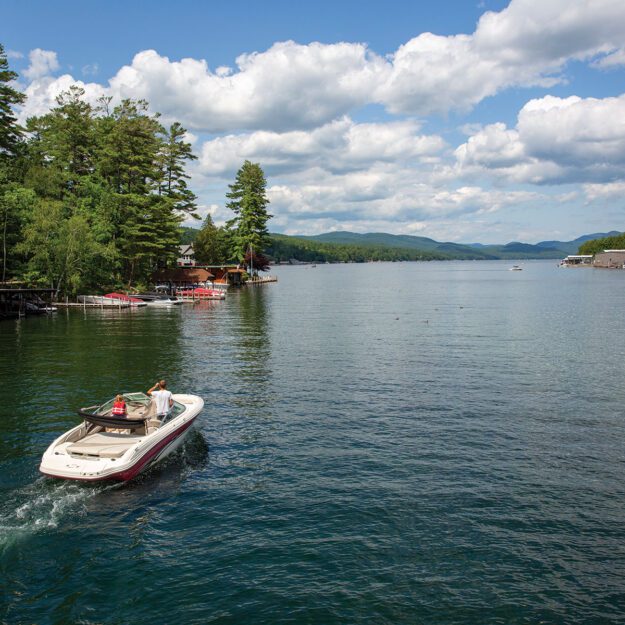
577 260
186 256
610 259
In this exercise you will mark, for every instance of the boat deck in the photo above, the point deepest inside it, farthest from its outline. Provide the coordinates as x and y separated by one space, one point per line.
103 445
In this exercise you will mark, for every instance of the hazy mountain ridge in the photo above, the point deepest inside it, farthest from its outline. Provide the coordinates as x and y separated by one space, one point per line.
512 250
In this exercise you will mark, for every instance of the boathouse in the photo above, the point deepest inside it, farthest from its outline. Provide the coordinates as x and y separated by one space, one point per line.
183 276
574 260
610 259
227 274
17 301
231 275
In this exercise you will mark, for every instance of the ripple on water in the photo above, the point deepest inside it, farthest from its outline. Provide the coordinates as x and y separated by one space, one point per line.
365 466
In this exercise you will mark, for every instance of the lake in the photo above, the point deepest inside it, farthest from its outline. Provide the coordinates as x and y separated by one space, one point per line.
389 443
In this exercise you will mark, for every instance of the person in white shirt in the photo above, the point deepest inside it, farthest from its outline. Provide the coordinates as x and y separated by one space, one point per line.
163 397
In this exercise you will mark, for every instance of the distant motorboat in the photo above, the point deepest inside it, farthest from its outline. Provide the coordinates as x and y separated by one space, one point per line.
516 268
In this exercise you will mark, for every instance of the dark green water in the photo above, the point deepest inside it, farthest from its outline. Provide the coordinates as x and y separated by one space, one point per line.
431 443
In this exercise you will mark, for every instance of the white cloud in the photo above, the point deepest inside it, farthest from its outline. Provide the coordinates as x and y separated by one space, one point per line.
338 146
288 86
90 69
292 86
612 60
556 140
384 193
42 63
528 43
609 191
14 54
42 93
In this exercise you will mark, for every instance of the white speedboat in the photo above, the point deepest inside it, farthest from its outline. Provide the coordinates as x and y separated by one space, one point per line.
134 302
102 300
106 447
516 268
158 299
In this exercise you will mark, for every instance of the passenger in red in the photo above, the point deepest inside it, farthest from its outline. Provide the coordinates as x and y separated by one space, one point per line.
119 406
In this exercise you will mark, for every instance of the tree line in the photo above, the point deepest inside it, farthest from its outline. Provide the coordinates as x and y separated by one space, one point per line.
93 196
284 248
594 246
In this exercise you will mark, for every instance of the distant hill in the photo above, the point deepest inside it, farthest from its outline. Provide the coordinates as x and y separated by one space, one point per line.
511 251
345 246
572 247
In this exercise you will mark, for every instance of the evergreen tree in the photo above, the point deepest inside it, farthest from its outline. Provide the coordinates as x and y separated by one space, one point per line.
10 131
175 152
130 162
248 201
211 244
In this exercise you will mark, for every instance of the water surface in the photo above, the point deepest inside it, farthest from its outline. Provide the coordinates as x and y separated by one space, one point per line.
383 443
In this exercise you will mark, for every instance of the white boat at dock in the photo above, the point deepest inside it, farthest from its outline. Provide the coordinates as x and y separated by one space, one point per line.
158 299
102 301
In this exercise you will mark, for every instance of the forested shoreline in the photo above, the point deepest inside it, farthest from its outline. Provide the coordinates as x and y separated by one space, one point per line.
92 197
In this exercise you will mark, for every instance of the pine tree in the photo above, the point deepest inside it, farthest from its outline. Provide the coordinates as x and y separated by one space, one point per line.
10 131
175 152
248 201
210 246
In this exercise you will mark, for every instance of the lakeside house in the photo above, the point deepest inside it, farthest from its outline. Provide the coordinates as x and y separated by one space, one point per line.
610 259
186 257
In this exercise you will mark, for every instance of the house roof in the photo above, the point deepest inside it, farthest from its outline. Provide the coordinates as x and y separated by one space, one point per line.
185 274
185 249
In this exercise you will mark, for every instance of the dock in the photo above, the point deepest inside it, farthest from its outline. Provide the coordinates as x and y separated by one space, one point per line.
262 280
121 304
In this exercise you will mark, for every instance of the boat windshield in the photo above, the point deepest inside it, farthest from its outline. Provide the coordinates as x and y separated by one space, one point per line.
140 401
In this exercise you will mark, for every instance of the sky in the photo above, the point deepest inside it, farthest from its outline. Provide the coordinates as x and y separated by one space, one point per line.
467 121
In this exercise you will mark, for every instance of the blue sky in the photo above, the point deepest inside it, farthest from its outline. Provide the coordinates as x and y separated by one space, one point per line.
464 121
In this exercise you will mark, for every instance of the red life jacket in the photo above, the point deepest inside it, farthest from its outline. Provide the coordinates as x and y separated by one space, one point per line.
119 408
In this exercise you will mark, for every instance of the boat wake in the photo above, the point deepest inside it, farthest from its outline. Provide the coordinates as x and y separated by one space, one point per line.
41 506
44 504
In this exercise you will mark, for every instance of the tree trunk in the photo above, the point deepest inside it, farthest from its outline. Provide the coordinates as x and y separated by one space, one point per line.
4 245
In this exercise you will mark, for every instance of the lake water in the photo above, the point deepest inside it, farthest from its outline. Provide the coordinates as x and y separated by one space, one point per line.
404 443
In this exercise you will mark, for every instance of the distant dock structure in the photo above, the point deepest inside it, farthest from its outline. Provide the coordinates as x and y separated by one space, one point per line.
610 259
17 301
577 260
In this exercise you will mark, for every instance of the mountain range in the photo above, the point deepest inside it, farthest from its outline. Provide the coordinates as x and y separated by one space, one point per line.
513 250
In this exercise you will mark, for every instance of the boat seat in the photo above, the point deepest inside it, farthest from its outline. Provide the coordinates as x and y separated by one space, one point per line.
103 445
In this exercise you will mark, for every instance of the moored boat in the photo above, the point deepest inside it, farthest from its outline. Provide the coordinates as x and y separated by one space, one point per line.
158 299
132 301
107 447
102 300
201 293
